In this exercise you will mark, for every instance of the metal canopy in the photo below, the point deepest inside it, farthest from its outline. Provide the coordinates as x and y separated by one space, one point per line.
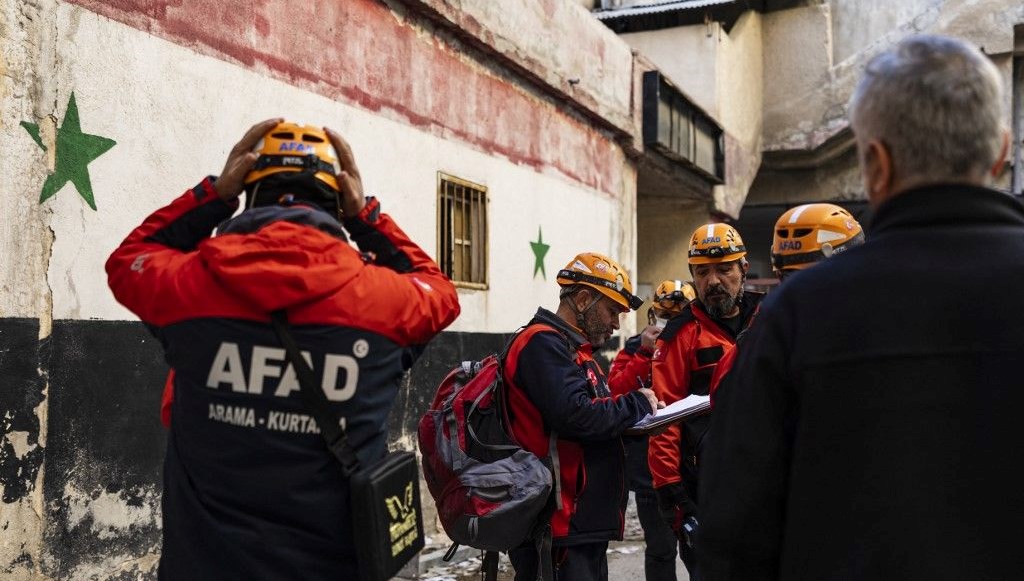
672 13
657 8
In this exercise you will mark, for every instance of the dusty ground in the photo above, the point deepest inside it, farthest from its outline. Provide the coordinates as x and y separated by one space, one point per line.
625 559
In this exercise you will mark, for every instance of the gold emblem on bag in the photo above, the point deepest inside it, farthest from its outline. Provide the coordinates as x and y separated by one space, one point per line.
403 520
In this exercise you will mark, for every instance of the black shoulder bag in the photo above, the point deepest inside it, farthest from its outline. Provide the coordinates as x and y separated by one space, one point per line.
385 498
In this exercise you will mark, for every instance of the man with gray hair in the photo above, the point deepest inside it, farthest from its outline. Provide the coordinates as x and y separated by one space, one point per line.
870 414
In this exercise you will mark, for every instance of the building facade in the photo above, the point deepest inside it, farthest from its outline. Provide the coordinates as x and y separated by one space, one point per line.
777 75
501 148
503 139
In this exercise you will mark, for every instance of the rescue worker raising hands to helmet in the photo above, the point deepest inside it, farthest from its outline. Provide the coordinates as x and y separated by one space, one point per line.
250 488
683 363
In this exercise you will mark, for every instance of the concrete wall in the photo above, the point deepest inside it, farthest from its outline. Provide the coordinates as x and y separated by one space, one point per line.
810 69
721 73
688 55
664 238
740 90
594 75
167 88
813 57
874 19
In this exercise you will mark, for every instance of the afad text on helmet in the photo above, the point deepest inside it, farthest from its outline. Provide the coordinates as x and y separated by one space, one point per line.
296 146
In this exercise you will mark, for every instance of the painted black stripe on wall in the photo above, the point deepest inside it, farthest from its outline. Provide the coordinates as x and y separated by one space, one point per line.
105 437
21 391
442 354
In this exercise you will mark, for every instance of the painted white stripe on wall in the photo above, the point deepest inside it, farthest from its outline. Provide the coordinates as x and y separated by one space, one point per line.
175 115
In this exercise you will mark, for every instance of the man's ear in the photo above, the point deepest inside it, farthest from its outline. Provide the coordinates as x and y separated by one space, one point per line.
878 171
582 298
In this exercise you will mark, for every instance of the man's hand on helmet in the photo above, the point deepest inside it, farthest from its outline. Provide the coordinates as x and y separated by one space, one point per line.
240 161
349 181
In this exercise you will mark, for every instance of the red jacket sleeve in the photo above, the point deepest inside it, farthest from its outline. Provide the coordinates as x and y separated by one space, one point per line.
628 370
144 271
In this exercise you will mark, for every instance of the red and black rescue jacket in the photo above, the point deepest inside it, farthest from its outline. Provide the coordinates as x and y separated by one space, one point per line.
684 361
250 490
631 366
554 385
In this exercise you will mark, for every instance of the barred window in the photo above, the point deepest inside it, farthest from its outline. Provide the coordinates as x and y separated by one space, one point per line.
462 231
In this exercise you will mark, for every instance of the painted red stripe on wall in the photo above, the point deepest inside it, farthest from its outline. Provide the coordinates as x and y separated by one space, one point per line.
363 53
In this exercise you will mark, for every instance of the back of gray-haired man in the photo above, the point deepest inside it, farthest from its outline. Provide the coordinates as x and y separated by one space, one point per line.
870 415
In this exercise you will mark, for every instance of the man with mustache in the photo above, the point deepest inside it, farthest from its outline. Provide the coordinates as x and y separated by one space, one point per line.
560 407
684 360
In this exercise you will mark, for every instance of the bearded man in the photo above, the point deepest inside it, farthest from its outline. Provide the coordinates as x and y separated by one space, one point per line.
560 407
684 360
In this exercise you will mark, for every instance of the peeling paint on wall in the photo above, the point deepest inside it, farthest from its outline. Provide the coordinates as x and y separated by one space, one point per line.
103 479
21 446
109 535
20 452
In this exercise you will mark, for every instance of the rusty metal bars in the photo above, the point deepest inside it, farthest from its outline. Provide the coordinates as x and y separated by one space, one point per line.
462 231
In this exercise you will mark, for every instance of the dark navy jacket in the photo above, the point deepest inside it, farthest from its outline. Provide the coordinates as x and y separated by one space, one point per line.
554 385
870 424
250 490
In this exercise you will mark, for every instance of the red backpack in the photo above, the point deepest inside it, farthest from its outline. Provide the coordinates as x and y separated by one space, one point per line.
491 494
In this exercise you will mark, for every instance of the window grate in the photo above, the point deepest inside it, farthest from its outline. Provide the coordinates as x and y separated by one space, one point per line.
462 231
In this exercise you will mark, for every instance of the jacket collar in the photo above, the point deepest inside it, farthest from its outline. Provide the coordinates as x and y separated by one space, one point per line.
946 204
748 306
253 219
550 319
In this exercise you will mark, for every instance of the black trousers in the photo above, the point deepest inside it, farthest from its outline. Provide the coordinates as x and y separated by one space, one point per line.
660 541
686 555
576 563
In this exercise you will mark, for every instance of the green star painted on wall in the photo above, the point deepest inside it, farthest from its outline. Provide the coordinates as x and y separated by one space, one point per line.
540 250
74 151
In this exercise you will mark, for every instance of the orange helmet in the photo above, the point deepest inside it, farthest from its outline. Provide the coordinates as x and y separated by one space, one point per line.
673 295
602 273
811 233
715 243
291 148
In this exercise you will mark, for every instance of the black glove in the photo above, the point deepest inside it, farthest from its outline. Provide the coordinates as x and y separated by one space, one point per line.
677 510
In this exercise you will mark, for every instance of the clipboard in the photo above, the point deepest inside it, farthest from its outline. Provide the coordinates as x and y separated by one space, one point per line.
689 406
